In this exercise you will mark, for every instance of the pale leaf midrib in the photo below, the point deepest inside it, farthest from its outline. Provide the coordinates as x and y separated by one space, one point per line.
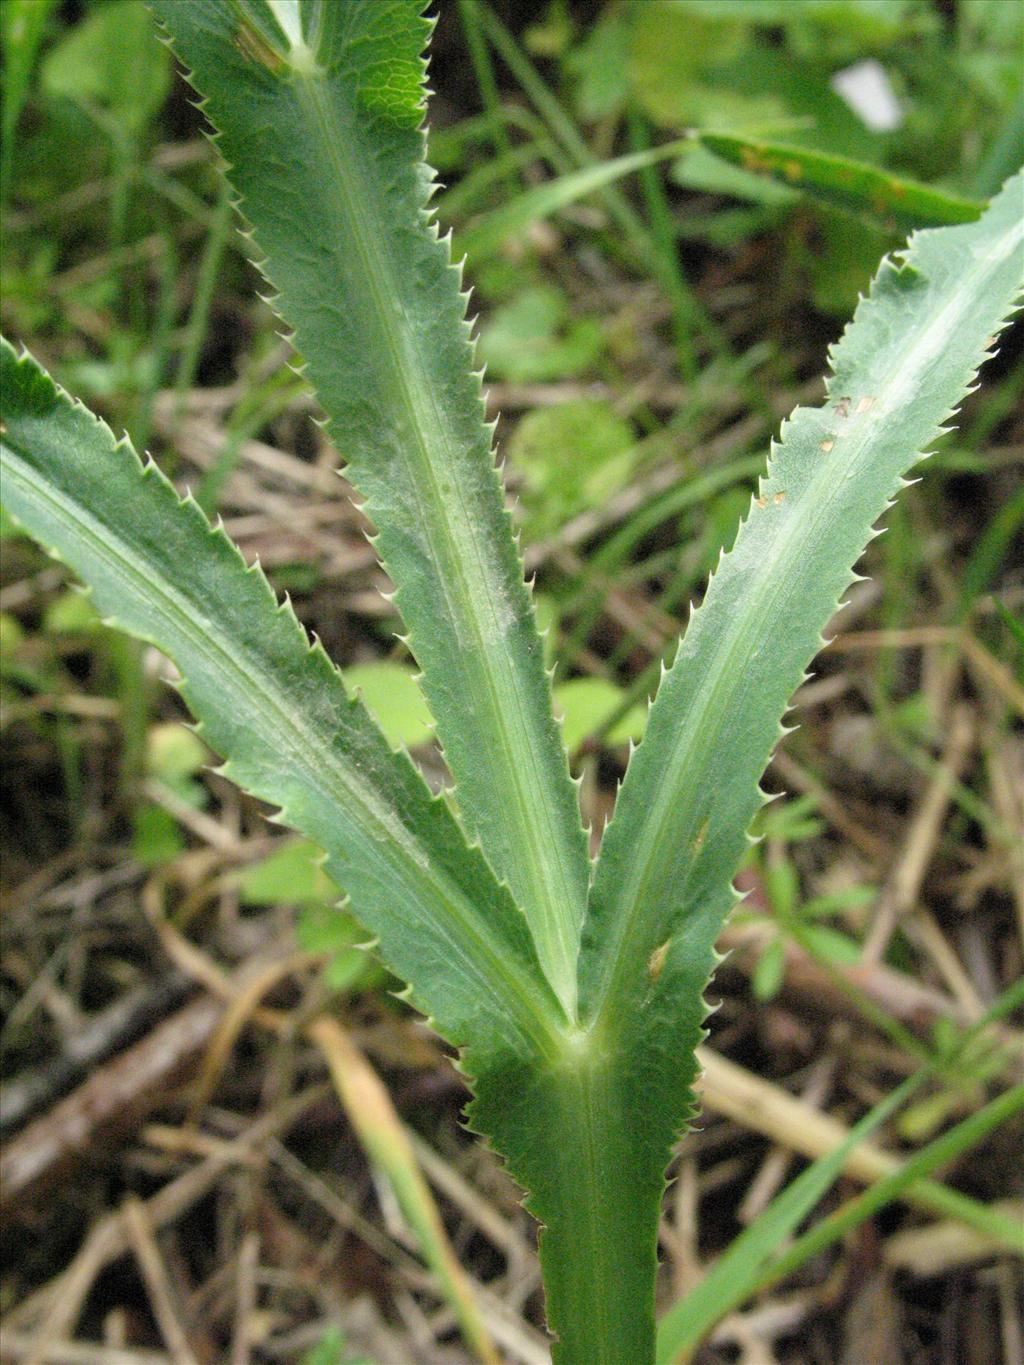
715 703
553 896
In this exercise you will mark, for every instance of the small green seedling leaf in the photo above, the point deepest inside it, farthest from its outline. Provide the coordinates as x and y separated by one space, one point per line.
174 752
391 693
534 338
766 981
585 704
112 59
156 836
71 613
570 458
292 875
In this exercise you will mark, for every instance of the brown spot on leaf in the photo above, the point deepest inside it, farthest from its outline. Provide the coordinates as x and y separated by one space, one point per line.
656 961
866 403
252 45
827 445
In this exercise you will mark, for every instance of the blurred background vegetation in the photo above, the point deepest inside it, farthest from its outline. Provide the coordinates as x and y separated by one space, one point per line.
649 309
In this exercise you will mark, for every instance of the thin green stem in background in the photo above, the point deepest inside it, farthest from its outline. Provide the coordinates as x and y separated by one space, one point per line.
206 283
261 406
745 1268
685 316
914 1175
483 69
22 27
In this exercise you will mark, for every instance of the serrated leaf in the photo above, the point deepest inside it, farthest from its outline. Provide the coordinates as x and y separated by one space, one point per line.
318 110
663 880
273 704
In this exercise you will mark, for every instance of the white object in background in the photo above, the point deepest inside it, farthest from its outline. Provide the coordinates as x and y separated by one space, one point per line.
866 89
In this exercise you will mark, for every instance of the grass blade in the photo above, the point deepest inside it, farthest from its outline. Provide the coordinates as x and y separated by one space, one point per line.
736 1273
966 1135
885 200
542 201
387 1144
741 1271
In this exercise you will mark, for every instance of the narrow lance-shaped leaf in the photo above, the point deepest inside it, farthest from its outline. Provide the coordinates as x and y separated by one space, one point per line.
542 201
273 704
888 201
663 881
275 707
318 108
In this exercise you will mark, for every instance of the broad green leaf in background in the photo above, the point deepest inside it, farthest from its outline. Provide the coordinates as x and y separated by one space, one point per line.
587 703
535 337
318 111
175 753
705 66
870 21
293 874
173 757
599 64
842 260
71 612
674 54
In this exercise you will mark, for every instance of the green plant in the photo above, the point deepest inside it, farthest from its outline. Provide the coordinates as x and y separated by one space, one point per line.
575 993
792 917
